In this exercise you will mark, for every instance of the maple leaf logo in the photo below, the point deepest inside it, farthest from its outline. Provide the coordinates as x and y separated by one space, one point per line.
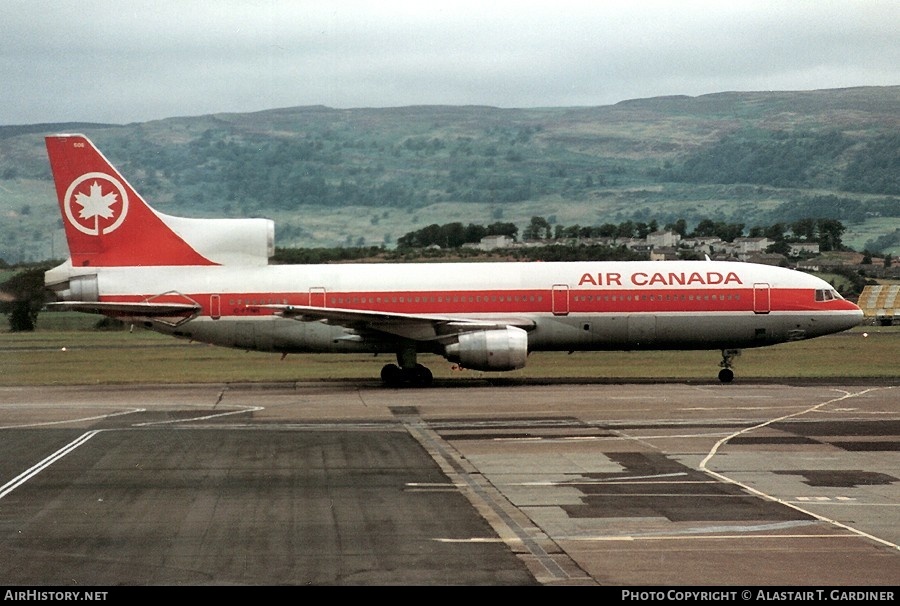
96 204
93 212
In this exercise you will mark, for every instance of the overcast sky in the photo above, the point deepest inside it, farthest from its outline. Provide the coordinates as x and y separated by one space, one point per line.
132 61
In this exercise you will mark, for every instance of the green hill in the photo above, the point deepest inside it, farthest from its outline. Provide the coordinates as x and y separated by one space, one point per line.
332 177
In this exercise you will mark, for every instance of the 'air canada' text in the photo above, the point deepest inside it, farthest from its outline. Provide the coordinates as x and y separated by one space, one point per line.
660 278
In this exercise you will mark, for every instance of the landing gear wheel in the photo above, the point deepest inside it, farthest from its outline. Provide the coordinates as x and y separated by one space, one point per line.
406 371
726 375
391 374
394 376
420 375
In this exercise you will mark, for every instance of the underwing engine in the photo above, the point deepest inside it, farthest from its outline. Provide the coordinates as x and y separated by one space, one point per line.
497 349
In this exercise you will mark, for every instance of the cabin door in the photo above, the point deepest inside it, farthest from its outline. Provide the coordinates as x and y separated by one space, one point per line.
761 298
560 300
317 296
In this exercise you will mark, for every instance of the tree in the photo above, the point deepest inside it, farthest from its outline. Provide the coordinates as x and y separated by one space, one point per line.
805 229
608 230
474 233
780 247
724 231
706 227
22 317
501 228
27 296
830 233
774 232
625 230
538 229
679 227
453 235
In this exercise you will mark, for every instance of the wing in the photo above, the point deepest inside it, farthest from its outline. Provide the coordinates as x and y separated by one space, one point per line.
417 327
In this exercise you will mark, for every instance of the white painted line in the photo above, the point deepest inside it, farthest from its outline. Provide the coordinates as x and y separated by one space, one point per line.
816 408
709 537
242 410
76 420
471 540
30 473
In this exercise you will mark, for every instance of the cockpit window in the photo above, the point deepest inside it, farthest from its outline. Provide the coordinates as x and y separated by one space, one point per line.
827 294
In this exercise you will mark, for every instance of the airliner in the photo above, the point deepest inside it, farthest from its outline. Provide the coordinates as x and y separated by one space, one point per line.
209 280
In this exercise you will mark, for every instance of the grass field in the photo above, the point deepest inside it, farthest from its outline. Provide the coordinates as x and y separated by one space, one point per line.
72 356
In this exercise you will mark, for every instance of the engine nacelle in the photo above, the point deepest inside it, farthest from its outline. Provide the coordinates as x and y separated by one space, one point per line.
499 349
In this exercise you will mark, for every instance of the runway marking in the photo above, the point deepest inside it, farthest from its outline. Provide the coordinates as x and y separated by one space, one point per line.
432 487
77 420
816 408
653 479
243 410
565 484
821 499
705 408
33 471
614 438
486 495
847 501
632 538
705 532
472 540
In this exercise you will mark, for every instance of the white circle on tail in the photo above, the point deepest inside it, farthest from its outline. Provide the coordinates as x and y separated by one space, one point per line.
96 203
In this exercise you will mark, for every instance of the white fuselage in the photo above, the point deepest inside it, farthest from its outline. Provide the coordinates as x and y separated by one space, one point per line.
563 306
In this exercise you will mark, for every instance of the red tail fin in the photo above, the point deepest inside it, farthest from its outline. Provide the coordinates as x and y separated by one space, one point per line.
107 222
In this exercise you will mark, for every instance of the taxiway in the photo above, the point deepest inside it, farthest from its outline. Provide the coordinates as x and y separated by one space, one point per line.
348 483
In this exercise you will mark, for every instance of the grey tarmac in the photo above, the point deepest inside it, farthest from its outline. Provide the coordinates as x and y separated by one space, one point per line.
465 483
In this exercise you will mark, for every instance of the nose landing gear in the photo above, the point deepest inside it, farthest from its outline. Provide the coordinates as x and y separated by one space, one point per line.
726 375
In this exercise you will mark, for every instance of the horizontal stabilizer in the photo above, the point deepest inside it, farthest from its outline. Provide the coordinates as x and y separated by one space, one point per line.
130 309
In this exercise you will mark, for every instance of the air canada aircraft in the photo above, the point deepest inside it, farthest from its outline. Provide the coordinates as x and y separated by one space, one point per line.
209 280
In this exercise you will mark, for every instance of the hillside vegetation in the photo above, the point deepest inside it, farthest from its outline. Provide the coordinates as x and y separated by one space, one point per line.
365 177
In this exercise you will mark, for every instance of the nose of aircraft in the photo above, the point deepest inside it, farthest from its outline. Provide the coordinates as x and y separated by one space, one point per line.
840 317
854 315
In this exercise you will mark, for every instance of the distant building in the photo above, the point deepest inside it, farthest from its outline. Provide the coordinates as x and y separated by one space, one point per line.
707 245
746 246
663 253
667 239
835 259
600 241
804 248
639 246
492 243
768 259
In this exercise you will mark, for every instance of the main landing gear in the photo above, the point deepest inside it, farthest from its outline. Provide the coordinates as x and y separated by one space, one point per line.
726 375
406 371
395 376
